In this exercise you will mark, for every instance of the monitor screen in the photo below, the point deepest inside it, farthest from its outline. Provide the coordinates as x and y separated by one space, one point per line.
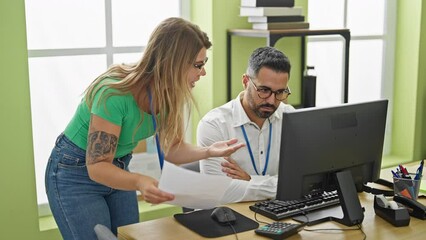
318 142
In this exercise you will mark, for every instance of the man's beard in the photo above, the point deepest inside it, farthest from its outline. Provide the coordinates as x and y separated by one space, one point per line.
264 114
256 108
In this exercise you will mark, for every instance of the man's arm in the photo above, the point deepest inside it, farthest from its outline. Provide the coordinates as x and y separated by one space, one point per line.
257 188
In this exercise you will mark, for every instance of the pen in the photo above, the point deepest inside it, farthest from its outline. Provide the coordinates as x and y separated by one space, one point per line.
403 170
395 174
419 171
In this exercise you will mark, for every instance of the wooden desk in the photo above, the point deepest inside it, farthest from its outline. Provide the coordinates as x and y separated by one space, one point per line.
374 226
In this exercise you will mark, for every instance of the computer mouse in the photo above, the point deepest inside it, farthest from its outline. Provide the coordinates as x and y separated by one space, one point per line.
223 215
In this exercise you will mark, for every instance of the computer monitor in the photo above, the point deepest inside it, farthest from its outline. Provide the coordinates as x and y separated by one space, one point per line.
318 142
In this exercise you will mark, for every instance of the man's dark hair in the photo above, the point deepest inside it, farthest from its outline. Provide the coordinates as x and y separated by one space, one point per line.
268 57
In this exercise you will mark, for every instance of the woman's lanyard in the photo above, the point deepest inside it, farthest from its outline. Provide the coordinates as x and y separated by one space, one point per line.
251 153
157 140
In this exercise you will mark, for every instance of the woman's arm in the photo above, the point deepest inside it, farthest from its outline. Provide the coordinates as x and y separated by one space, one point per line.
185 153
101 147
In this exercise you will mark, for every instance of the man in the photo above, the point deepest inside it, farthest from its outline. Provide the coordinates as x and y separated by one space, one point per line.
255 118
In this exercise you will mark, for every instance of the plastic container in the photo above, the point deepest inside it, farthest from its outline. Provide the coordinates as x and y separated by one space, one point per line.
407 187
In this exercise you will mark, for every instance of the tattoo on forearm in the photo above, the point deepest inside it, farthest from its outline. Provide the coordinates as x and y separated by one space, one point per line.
100 145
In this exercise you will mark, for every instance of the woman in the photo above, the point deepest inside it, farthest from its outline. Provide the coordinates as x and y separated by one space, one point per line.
87 177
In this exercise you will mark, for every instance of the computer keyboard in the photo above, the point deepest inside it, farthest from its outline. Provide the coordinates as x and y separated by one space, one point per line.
280 209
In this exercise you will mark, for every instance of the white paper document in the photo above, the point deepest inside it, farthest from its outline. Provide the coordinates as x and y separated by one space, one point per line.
192 189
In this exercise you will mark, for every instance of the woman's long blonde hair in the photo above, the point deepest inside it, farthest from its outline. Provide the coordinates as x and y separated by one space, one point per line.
171 51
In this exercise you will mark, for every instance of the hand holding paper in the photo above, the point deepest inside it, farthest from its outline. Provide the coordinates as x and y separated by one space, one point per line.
192 189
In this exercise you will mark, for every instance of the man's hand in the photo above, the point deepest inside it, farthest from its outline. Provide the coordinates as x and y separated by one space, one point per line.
233 170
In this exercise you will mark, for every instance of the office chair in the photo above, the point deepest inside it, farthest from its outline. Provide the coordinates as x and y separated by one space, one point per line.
104 233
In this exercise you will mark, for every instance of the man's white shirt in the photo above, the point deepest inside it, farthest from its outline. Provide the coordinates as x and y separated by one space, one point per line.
224 123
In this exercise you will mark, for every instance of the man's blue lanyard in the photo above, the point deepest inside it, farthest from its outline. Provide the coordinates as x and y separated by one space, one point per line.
157 140
251 153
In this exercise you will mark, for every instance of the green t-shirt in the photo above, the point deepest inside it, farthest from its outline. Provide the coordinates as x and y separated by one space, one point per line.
120 110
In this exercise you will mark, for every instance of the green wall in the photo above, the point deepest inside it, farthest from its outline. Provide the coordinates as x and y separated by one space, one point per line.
421 140
18 204
409 116
420 133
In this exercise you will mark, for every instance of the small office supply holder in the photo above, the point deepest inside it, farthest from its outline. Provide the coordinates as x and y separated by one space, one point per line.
408 186
394 214
349 212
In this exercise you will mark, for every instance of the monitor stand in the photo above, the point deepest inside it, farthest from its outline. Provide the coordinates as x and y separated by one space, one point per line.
349 212
323 215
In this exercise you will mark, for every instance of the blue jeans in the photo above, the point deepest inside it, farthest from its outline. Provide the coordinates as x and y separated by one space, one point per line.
77 202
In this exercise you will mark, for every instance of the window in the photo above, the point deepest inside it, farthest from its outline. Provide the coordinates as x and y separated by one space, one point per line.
372 26
69 44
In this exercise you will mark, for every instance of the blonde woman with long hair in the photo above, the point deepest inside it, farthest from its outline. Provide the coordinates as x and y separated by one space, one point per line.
87 177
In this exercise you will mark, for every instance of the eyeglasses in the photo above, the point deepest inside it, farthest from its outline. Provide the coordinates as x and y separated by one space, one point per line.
265 92
200 66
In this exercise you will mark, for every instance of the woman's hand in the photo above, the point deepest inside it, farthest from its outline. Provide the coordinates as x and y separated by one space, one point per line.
224 148
148 186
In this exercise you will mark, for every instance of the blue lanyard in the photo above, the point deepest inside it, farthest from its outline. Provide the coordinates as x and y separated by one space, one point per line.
251 153
160 152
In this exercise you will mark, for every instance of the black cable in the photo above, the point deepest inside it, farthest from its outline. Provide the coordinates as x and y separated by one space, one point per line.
332 229
360 228
233 229
257 220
